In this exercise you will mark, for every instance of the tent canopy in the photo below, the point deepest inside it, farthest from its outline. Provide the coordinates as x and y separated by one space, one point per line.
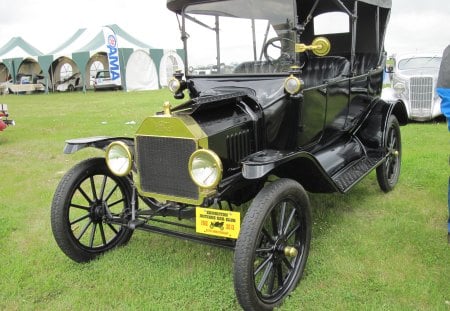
92 40
18 47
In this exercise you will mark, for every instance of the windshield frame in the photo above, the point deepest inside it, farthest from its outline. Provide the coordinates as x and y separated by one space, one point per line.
188 10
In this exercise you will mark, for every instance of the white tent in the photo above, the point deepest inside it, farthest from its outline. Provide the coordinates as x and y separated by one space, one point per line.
141 66
18 48
170 63
18 56
86 47
141 72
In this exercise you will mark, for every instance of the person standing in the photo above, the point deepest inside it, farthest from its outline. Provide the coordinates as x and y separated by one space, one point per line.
443 89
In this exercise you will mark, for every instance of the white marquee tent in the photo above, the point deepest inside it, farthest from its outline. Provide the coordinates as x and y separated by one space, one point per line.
18 56
141 66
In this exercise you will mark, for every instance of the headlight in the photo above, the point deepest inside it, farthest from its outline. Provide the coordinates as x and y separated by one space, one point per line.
292 85
205 168
399 87
174 85
118 158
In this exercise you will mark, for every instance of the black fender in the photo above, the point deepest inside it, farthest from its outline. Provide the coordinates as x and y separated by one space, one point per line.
301 166
372 130
99 142
306 168
398 109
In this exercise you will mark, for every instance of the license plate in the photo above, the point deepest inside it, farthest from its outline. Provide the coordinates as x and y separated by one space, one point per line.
219 223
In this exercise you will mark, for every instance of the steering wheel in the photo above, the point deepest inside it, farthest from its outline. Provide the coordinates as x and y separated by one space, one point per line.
284 58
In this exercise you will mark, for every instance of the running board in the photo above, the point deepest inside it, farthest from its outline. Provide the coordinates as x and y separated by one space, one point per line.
346 178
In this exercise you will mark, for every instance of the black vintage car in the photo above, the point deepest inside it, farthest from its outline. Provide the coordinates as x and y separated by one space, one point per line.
283 99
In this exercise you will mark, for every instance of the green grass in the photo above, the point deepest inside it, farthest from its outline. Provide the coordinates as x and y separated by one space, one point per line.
370 250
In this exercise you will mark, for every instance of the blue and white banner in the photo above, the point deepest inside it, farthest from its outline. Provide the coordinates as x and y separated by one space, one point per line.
112 48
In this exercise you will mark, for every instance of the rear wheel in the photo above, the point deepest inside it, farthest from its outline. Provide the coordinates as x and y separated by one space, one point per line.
389 172
273 245
87 196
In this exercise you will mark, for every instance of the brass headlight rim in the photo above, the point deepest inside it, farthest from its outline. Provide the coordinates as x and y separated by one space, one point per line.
297 80
217 162
128 154
178 84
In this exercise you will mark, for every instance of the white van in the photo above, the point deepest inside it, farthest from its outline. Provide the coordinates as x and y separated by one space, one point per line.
103 81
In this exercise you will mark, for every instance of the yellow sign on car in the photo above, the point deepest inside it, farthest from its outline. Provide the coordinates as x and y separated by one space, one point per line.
225 224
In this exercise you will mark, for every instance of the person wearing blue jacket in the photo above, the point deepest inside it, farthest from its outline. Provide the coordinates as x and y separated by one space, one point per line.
443 89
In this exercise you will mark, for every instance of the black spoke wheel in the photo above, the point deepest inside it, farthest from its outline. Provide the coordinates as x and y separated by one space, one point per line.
86 198
273 245
389 171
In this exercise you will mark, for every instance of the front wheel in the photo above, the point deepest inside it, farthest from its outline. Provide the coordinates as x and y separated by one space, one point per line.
86 198
389 171
273 245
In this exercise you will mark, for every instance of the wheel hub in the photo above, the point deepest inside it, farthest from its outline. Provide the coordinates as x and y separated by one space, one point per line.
97 211
282 249
290 251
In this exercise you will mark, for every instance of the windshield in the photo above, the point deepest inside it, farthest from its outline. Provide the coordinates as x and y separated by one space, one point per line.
419 63
240 36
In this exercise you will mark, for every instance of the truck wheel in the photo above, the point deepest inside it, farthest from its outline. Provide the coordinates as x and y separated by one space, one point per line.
389 171
273 245
84 197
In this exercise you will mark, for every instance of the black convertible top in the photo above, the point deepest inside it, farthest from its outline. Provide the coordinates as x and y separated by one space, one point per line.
368 18
178 5
381 3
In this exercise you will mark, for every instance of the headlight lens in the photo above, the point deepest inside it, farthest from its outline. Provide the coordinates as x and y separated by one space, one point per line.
118 158
399 87
174 85
205 168
292 85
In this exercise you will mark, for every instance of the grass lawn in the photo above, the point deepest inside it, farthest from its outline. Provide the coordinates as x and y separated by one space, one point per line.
370 250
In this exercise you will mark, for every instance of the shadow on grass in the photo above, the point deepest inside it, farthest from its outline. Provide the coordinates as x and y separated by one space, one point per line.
331 209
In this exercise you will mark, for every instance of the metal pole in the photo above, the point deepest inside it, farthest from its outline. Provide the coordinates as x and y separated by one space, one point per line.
218 43
254 39
265 40
354 18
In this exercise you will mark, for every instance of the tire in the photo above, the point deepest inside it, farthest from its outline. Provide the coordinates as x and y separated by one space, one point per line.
79 208
279 218
71 88
389 171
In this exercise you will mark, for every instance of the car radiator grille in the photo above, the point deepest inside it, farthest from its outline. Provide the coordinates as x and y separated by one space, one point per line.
421 94
163 166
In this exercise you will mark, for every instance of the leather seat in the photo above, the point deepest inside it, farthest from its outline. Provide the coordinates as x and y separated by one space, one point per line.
319 70
364 63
